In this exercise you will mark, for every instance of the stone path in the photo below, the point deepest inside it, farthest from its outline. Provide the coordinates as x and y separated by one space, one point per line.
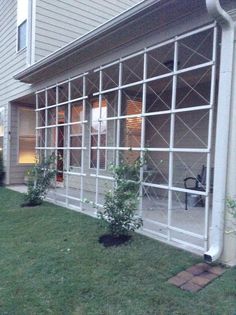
196 277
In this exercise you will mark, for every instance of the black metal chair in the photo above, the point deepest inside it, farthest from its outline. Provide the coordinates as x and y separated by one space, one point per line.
199 184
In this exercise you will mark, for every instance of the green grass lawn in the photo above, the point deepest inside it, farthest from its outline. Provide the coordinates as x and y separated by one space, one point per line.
51 263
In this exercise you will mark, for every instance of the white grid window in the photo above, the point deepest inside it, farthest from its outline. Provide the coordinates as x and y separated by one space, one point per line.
155 104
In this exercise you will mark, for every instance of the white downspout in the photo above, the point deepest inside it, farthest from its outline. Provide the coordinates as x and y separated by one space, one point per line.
222 130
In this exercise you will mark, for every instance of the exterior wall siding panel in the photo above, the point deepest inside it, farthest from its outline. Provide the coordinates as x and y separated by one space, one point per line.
10 63
60 18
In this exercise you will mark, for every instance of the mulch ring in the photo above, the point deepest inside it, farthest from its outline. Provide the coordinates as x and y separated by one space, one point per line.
109 240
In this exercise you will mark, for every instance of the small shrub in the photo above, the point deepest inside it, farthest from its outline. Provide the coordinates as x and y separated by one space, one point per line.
121 203
231 206
231 209
40 177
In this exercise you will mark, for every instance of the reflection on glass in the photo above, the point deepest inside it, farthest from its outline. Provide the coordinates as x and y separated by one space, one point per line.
27 139
95 116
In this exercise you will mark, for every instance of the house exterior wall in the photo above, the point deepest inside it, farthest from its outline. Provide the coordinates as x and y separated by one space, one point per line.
11 62
59 22
56 23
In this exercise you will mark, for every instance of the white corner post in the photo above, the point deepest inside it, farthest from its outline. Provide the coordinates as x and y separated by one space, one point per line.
229 251
30 53
222 128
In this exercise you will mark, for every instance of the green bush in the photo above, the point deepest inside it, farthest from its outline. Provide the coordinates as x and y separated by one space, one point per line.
231 206
230 226
40 177
121 203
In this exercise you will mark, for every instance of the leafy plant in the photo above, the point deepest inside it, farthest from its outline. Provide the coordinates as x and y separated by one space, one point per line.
40 177
2 173
231 209
231 206
121 203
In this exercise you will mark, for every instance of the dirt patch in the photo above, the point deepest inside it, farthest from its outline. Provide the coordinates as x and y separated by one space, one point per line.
109 240
30 205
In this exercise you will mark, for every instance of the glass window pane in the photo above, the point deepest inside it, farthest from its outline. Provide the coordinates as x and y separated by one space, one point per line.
51 137
93 158
62 117
95 115
102 159
75 158
27 122
76 116
94 141
103 140
76 141
27 150
27 139
22 35
131 130
52 116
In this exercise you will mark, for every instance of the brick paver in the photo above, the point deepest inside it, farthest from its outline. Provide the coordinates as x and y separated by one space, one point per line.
185 275
177 281
201 281
196 277
191 287
209 275
218 270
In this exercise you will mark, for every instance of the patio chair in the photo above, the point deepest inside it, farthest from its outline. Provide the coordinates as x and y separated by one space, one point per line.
199 184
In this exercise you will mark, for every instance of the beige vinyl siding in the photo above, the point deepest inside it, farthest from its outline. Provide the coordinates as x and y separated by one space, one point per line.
11 62
60 22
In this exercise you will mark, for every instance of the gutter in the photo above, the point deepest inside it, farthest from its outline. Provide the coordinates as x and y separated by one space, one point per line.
222 131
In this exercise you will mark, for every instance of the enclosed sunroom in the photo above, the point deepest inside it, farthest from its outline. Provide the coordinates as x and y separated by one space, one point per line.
157 104
154 100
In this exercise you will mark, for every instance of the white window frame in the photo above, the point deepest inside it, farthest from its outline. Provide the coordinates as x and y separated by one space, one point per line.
19 24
